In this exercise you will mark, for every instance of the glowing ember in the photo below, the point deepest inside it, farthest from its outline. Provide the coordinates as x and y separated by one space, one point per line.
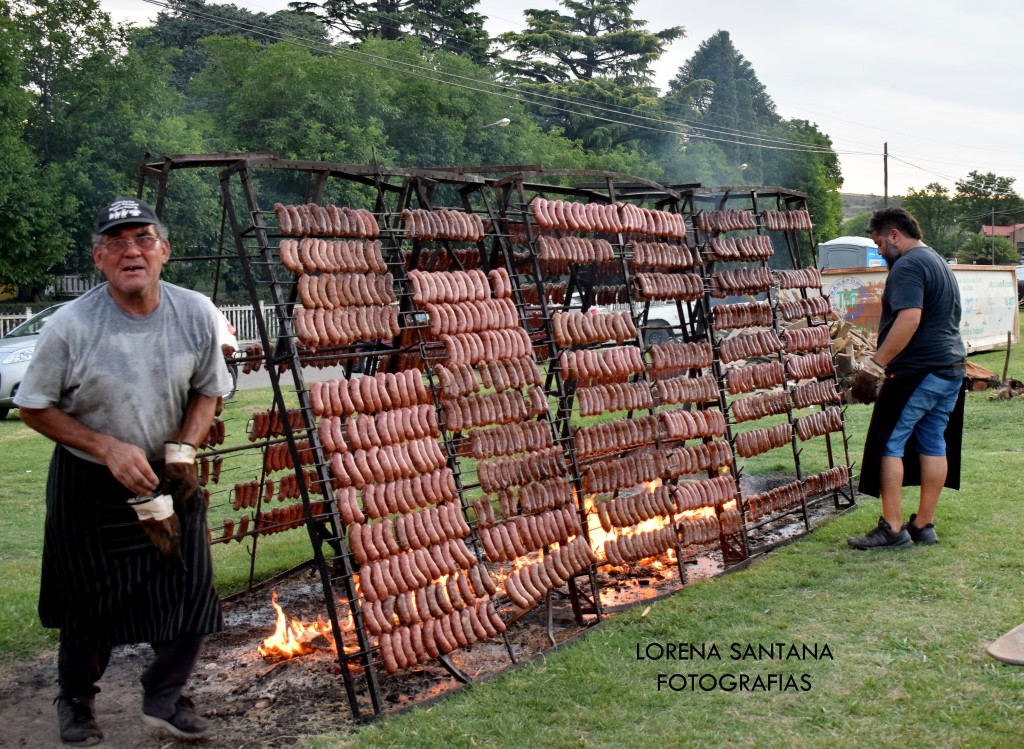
292 638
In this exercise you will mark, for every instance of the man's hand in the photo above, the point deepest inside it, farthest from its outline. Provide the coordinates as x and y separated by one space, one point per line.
867 382
180 478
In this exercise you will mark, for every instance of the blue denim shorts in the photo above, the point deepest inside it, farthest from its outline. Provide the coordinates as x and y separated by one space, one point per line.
925 416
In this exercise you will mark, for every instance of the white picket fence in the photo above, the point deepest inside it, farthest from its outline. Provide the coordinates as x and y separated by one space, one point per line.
243 317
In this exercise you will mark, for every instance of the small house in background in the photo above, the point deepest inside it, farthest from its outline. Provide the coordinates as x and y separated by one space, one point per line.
1015 233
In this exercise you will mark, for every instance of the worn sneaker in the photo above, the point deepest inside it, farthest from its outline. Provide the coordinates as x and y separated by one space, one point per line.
78 725
185 724
924 535
882 536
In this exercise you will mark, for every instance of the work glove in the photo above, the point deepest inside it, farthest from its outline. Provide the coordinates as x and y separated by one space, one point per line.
180 478
867 381
156 515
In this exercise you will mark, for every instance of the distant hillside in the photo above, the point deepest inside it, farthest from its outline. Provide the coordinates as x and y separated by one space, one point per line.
854 203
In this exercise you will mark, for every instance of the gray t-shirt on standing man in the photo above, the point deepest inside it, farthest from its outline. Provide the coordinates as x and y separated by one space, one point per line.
124 375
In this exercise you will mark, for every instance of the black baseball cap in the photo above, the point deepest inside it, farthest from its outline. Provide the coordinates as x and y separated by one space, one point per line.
125 211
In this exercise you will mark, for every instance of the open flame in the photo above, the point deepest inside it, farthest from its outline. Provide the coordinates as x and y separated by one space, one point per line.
292 638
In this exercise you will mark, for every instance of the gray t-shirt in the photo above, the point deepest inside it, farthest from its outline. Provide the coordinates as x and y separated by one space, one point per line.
127 376
921 279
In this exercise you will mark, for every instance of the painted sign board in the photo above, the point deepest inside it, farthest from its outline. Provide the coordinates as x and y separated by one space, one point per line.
988 300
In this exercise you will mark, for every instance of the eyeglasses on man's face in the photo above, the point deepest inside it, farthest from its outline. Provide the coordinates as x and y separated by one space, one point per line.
145 243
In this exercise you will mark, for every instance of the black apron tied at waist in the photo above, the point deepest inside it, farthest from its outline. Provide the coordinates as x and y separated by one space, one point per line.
895 393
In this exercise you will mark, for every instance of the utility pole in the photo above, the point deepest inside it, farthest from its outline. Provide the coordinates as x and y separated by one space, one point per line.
885 173
993 228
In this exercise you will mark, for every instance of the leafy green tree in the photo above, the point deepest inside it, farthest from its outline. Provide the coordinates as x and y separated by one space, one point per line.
980 250
451 25
31 237
980 197
855 226
594 38
185 22
731 105
934 210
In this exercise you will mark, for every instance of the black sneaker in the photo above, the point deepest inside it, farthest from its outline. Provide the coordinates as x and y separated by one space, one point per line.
924 535
882 536
78 725
185 724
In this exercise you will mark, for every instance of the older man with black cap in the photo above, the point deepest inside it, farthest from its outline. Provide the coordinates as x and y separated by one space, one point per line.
125 380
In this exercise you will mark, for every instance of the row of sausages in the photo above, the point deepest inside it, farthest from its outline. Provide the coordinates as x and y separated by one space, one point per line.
759 406
674 355
556 252
209 469
815 394
685 389
808 339
471 317
524 469
615 396
629 510
709 492
537 496
743 315
405 495
615 436
333 290
819 423
803 278
488 345
378 465
215 436
271 424
613 218
700 530
529 584
509 439
589 367
278 519
442 223
521 534
381 392
431 526
809 366
278 456
699 458
730 219
578 328
507 407
787 220
831 480
453 286
815 306
363 431
432 638
744 379
609 295
757 441
249 494
683 287
625 471
507 374
747 345
632 547
321 328
553 292
758 247
682 424
325 221
312 255
662 255
455 590
412 572
740 281
774 500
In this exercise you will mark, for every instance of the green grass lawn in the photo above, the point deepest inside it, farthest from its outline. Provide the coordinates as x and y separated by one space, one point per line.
906 630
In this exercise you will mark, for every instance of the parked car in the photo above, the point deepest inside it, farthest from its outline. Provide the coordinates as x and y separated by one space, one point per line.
16 350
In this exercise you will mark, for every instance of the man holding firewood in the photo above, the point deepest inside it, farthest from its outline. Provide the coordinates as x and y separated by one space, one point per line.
917 375
125 380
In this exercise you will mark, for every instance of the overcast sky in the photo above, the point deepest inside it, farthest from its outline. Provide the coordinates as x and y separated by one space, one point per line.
938 80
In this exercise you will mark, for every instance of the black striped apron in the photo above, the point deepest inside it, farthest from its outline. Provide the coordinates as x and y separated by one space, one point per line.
103 583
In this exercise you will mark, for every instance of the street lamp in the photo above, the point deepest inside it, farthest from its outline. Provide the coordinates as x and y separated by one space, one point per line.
503 122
